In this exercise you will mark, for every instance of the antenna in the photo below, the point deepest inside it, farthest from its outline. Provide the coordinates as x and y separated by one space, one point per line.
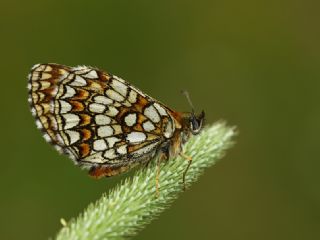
186 94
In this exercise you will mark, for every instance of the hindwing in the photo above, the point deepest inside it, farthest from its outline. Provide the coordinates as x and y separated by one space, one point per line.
95 117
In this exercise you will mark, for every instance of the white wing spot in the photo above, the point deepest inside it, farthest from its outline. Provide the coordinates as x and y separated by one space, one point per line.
110 154
40 68
70 92
65 106
44 84
119 87
39 110
130 119
48 68
122 149
105 131
112 111
114 95
169 130
35 76
136 137
112 140
103 100
152 114
71 120
92 74
99 145
148 126
116 104
78 82
45 76
132 96
35 86
41 96
126 103
102 119
73 135
80 69
160 109
97 108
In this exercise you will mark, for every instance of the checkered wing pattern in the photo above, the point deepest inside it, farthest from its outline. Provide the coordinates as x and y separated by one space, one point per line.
97 118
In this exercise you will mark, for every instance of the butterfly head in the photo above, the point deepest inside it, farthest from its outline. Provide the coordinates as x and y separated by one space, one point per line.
195 122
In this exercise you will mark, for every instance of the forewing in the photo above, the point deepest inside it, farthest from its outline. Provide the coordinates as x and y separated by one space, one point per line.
95 117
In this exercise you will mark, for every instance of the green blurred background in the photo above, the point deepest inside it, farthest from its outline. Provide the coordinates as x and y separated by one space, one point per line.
254 63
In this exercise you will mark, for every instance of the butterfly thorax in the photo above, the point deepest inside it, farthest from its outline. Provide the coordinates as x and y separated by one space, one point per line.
187 125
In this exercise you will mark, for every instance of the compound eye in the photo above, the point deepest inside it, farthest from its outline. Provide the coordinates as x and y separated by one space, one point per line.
195 126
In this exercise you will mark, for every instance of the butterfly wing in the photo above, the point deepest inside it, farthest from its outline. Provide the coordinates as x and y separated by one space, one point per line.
97 118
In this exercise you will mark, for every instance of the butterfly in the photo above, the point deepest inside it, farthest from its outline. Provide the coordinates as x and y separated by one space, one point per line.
102 122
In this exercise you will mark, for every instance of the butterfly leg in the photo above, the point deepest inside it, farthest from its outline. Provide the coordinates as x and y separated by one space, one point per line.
146 164
159 160
163 156
189 159
157 176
